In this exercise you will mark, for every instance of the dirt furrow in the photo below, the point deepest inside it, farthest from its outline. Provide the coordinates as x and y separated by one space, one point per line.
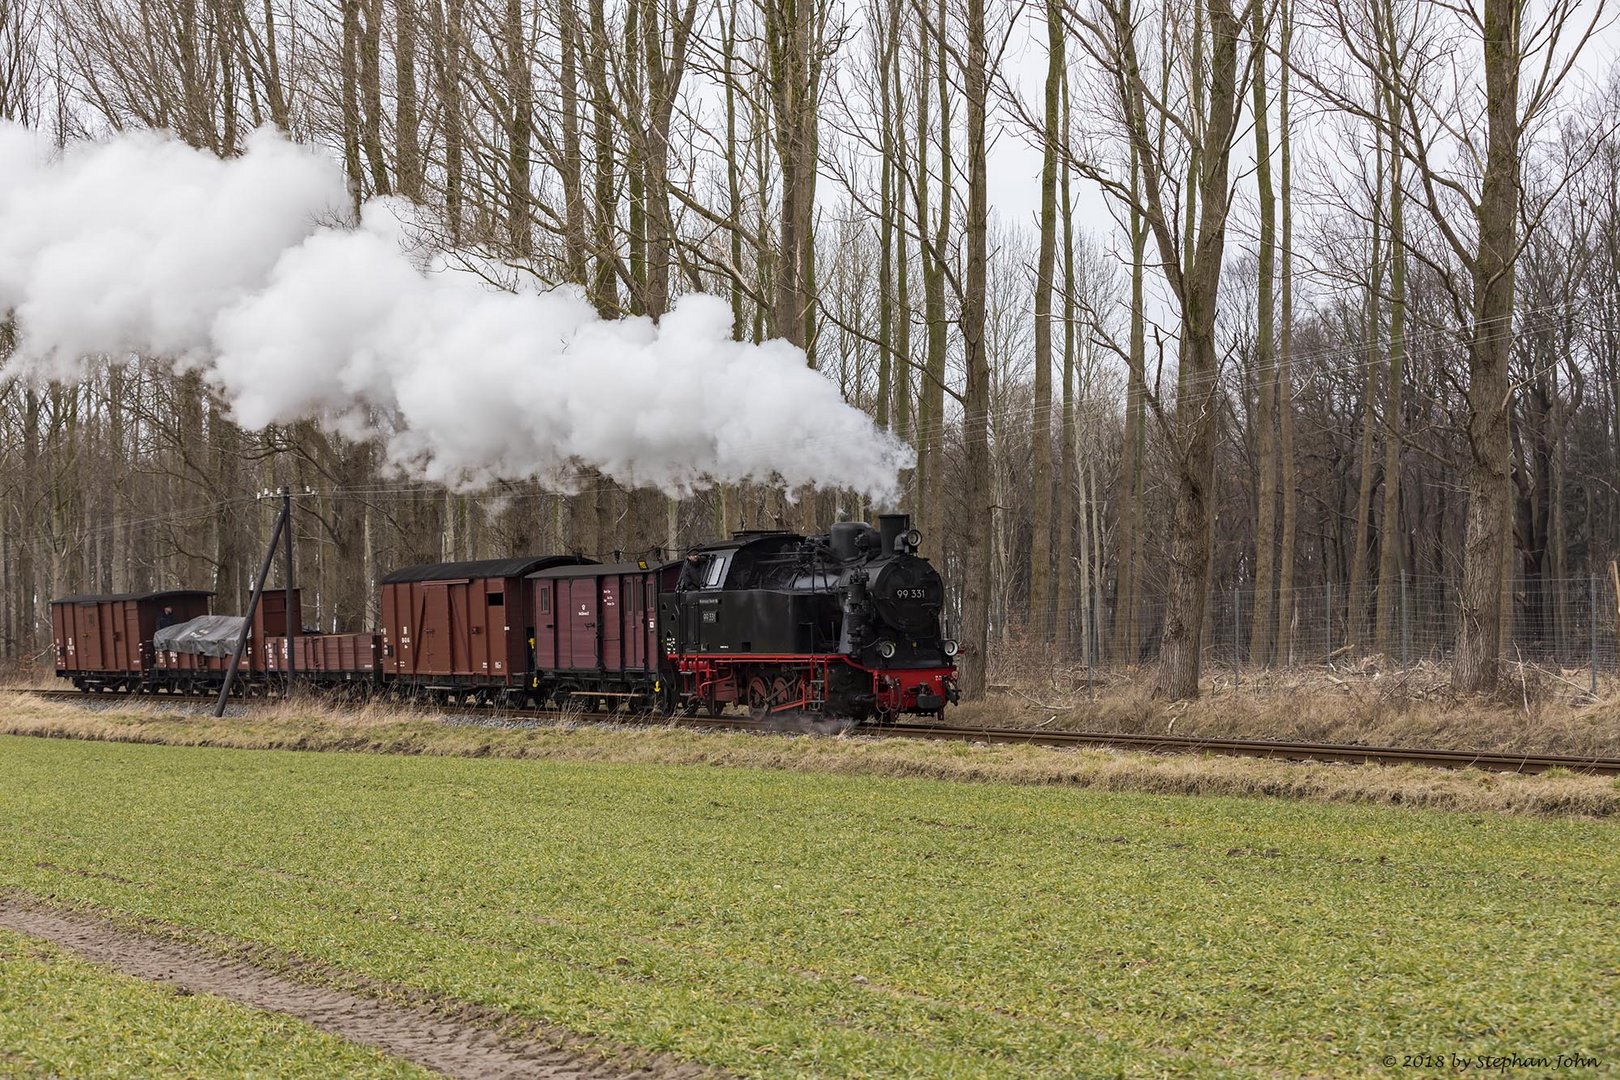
445 1045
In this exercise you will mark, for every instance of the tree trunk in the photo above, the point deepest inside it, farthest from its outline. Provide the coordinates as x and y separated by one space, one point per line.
370 44
902 256
448 29
1127 603
1069 480
934 235
604 278
519 129
1040 552
791 48
977 496
1265 523
1479 629
1390 536
407 111
350 77
1285 376
1356 603
1198 389
571 165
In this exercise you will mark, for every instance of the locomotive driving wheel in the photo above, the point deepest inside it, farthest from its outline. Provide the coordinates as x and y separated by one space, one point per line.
765 696
759 698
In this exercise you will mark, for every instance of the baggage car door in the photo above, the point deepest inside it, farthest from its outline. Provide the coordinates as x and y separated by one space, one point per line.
92 618
584 611
547 639
433 626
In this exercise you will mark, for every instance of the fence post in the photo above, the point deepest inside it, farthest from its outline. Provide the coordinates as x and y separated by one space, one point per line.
1237 638
1592 579
1406 626
1329 658
1087 610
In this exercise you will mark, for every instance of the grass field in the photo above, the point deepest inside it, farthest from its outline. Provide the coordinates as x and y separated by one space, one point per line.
779 923
62 1017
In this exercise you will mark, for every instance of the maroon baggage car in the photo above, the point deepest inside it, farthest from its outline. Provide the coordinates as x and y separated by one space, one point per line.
461 631
596 634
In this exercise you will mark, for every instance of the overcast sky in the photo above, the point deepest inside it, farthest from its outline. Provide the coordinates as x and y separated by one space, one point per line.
1015 165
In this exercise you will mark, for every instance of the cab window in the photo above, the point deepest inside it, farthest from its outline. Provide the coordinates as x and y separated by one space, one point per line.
714 570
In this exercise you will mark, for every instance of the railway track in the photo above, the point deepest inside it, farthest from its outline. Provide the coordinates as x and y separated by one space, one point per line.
1159 744
1294 751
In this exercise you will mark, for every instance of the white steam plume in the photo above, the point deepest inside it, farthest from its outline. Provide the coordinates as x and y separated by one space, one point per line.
243 270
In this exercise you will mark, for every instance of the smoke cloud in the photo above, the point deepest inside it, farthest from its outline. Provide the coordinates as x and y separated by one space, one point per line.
247 271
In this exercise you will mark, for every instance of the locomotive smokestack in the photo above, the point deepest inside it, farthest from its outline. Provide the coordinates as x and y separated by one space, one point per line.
891 527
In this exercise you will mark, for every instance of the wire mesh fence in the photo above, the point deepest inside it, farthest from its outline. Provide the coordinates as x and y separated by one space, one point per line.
1565 625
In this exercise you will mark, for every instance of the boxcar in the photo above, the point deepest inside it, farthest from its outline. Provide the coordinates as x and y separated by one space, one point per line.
105 642
596 633
461 629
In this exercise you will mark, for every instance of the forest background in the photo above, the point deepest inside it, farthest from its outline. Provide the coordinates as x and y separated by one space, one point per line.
1267 332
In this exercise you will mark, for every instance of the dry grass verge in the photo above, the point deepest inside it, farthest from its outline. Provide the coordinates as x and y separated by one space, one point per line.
1371 702
380 729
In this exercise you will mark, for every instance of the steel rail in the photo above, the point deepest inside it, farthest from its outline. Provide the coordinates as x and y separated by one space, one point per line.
1348 753
1342 753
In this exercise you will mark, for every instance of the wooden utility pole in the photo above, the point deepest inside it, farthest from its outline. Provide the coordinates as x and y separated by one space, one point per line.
287 583
276 531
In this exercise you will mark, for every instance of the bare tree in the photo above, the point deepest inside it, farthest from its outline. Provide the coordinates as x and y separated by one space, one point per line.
1265 362
1184 198
1040 555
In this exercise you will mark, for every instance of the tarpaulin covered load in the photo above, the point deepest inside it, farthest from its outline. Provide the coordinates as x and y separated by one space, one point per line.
206 635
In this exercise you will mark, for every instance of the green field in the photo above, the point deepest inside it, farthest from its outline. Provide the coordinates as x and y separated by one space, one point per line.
62 1017
782 923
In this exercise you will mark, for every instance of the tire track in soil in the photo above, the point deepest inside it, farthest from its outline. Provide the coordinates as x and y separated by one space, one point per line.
448 1046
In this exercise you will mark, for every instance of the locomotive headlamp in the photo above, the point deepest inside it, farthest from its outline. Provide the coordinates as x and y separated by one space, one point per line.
886 650
951 647
913 538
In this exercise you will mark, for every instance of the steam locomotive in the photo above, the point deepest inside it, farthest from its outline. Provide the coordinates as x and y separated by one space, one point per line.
844 624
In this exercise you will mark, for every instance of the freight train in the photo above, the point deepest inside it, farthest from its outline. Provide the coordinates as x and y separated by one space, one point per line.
845 624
